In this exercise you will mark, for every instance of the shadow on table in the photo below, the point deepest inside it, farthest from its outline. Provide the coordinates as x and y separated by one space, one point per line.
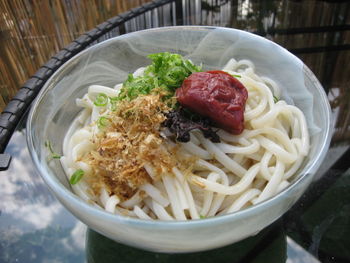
268 246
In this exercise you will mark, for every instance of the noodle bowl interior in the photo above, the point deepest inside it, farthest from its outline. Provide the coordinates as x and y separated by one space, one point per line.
133 166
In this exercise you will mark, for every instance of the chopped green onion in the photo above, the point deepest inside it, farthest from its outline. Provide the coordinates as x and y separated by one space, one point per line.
76 176
56 156
191 67
167 72
236 76
114 98
174 76
202 217
113 101
49 147
101 100
113 105
275 99
102 122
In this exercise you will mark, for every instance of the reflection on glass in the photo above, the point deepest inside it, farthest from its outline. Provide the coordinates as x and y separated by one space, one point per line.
320 221
267 246
34 226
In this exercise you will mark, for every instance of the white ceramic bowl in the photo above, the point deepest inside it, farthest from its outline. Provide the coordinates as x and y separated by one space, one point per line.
108 63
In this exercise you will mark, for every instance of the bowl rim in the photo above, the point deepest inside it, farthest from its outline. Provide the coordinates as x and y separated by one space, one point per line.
71 197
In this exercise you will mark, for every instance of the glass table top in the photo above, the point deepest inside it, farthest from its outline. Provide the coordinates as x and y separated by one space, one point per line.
35 227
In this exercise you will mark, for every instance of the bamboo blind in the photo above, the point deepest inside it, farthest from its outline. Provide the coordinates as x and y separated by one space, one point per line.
32 31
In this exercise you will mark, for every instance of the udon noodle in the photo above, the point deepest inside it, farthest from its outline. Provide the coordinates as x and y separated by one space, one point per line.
240 171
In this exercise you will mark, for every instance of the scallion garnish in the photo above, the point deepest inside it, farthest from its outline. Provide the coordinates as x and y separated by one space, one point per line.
167 72
56 156
202 217
76 176
101 100
102 122
113 102
275 99
236 76
49 147
114 98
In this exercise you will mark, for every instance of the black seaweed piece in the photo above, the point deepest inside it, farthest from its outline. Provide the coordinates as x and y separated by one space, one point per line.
181 121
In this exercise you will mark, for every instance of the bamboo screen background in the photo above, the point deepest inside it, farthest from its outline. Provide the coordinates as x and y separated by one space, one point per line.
33 31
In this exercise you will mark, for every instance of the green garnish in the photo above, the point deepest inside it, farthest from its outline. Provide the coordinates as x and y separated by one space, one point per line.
134 87
102 122
202 217
113 102
49 147
56 156
76 176
171 69
275 99
101 100
166 72
236 76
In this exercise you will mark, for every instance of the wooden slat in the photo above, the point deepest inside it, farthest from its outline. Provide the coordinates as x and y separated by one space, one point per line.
33 31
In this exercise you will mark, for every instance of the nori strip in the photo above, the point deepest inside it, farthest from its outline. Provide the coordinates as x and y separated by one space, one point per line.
181 121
